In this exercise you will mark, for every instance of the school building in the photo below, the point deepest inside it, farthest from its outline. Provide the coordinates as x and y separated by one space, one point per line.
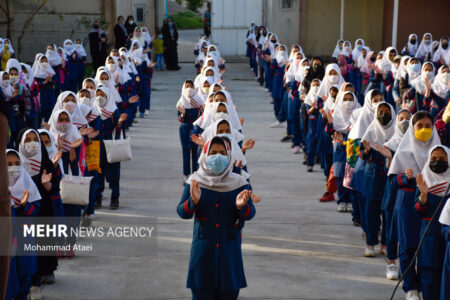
59 20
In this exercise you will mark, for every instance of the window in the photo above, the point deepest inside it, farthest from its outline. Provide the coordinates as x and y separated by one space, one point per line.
139 14
285 4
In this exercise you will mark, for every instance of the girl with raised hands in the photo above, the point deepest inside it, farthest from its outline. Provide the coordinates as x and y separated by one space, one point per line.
189 108
382 76
432 184
407 163
218 224
58 65
37 163
424 52
25 201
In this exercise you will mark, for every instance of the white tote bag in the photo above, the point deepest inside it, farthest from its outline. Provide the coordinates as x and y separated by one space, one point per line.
118 150
75 189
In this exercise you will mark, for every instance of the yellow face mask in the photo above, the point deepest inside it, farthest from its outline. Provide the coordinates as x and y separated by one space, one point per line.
423 134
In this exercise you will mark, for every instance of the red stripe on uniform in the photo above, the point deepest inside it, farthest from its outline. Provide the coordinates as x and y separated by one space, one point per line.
186 207
247 212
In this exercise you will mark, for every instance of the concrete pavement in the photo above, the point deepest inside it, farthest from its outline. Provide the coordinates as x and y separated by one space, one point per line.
294 248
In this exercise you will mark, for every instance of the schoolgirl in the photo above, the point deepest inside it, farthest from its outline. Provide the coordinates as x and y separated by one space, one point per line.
58 65
410 48
425 48
44 87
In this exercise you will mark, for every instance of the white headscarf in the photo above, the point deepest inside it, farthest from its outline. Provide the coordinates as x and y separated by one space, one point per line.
53 57
437 183
108 110
364 119
356 53
412 75
5 86
204 96
147 36
31 163
280 58
441 52
337 50
385 64
67 138
236 152
224 182
419 82
425 49
113 93
187 101
394 141
411 152
79 49
378 134
77 118
312 95
69 50
53 150
411 47
440 83
27 77
301 70
10 47
342 116
210 116
402 68
22 184
40 72
326 81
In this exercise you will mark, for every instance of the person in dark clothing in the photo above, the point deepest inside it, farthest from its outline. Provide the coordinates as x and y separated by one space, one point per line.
207 20
170 36
120 33
130 25
97 44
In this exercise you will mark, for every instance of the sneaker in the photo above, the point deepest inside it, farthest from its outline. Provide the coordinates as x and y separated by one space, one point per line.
342 207
327 197
35 293
92 217
392 272
349 208
277 124
48 279
147 112
412 295
369 251
286 139
382 250
296 150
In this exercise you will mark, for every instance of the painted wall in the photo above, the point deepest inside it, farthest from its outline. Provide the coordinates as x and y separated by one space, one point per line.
284 22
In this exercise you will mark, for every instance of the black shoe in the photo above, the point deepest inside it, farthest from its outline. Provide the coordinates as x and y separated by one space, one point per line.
317 160
305 162
286 139
310 169
114 203
98 202
357 223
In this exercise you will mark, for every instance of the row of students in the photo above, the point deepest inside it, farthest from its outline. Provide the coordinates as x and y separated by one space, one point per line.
378 124
71 122
217 186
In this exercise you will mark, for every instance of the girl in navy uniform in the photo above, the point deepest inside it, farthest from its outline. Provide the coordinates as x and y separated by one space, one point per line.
407 163
424 52
382 76
390 194
25 200
189 108
58 65
73 59
44 87
278 65
410 48
379 131
432 186
111 122
221 203
81 63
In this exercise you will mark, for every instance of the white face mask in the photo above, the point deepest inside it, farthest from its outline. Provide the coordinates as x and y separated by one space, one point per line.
221 115
315 89
104 82
205 89
14 79
188 92
44 65
347 105
374 104
49 52
32 148
49 150
69 106
282 52
101 101
333 78
445 78
63 126
14 173
210 78
85 100
131 22
6 83
111 67
426 74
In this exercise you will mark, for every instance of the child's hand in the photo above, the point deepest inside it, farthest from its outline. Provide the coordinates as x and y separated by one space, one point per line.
134 99
409 173
25 196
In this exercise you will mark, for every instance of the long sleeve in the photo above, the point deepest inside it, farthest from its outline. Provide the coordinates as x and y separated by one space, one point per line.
186 207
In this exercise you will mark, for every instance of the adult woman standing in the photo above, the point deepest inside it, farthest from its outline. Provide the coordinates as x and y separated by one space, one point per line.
221 203
170 36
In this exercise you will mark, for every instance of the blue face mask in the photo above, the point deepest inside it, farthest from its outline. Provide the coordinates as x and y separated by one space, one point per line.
360 47
217 163
415 68
160 36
